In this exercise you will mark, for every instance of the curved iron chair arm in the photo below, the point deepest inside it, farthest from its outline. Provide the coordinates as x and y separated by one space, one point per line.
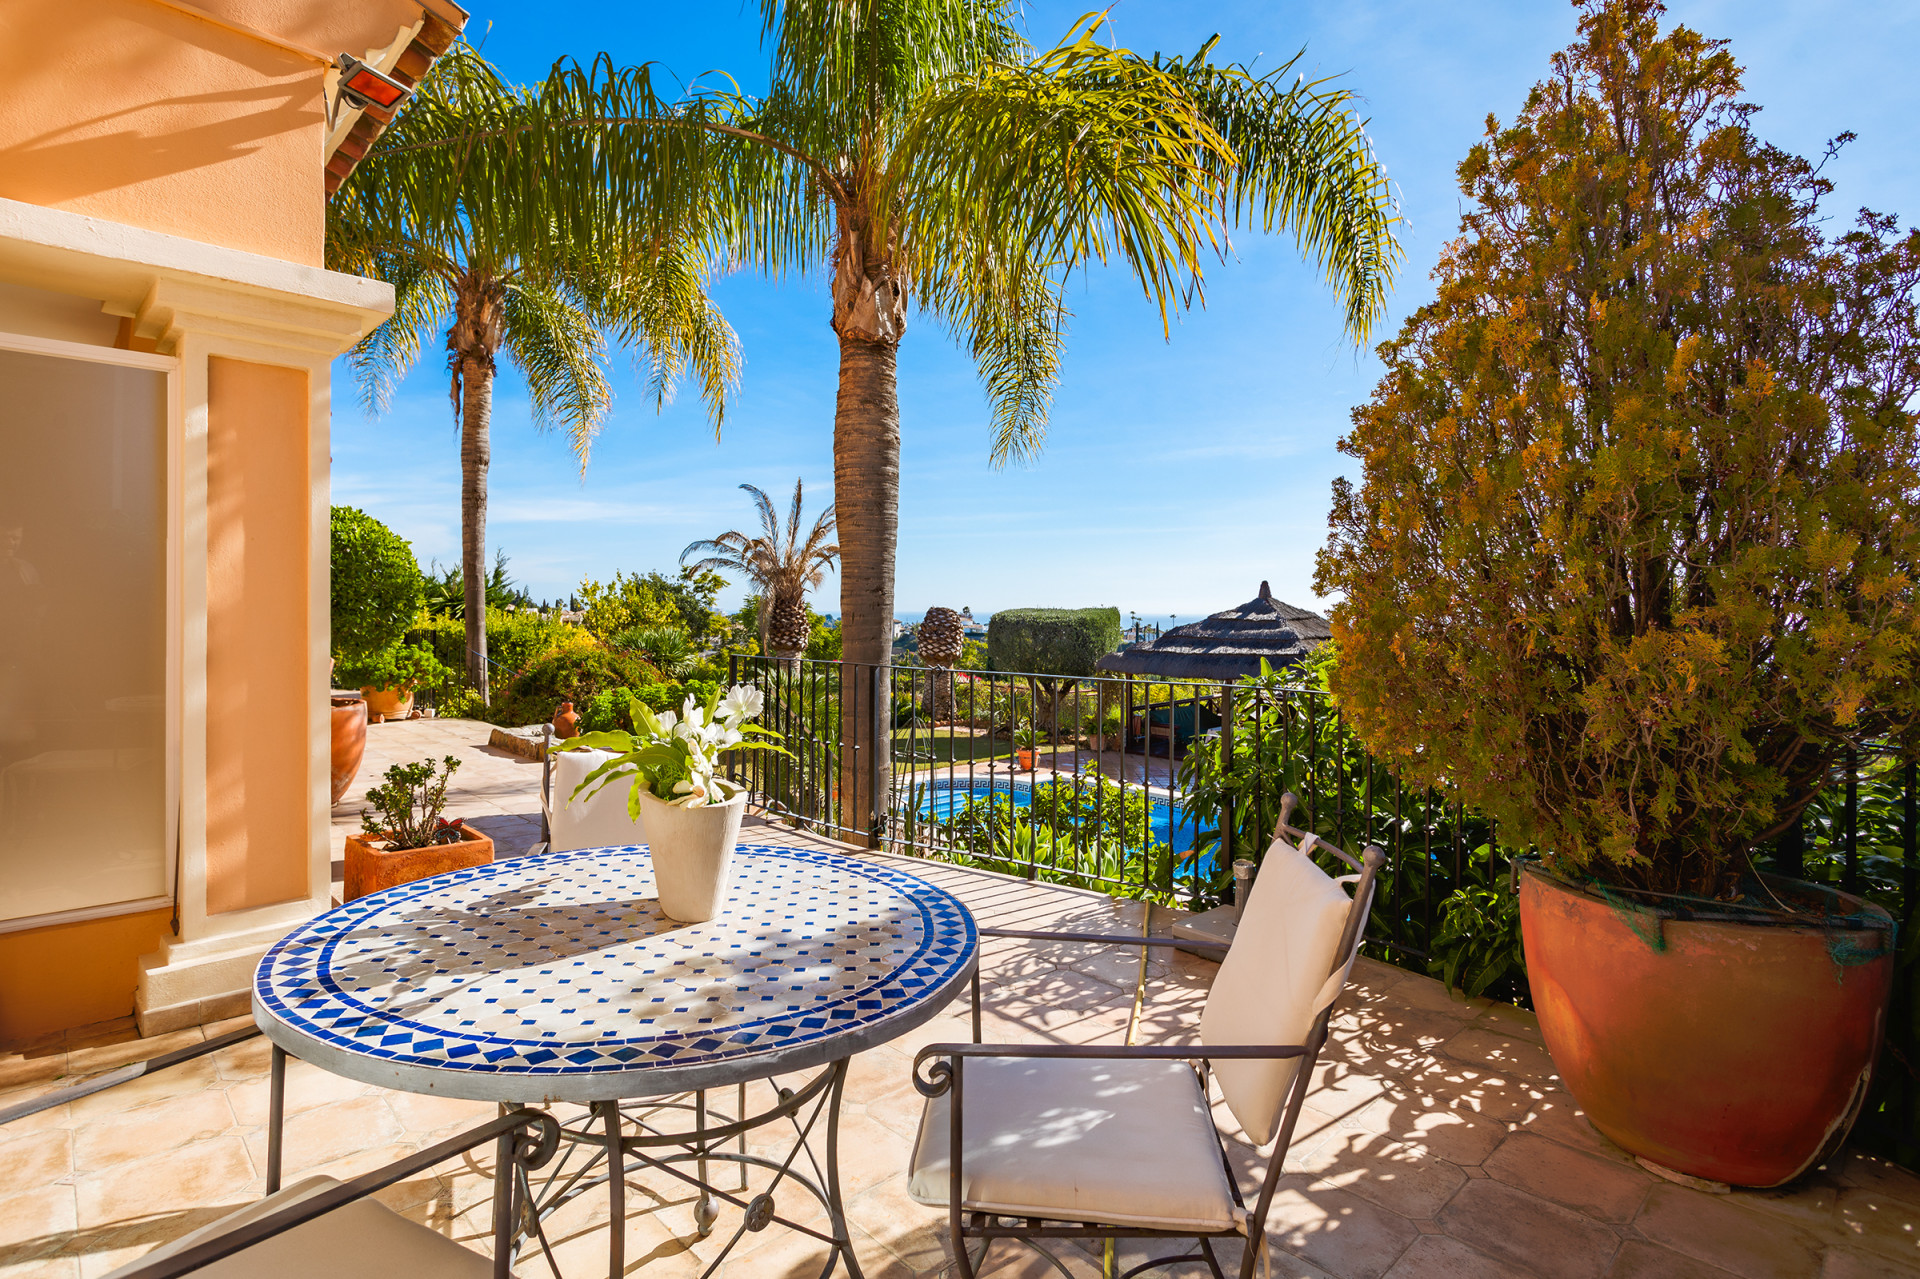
939 1076
125 1074
516 1133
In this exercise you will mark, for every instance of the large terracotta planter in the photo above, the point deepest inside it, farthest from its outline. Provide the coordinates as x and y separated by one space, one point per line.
389 703
349 741
371 868
1731 1050
692 850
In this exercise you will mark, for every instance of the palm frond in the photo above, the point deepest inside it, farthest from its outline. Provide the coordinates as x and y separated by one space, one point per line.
551 336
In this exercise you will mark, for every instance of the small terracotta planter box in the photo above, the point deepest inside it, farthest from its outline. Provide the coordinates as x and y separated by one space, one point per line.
370 869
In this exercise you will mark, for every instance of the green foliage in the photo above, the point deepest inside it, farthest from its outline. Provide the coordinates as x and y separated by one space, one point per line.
823 642
571 674
398 666
668 648
671 696
973 656
376 589
1051 641
1632 557
515 641
610 709
407 806
605 711
446 591
1477 946
651 600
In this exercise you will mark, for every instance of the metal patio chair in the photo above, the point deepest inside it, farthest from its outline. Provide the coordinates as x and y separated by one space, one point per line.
321 1228
1060 1141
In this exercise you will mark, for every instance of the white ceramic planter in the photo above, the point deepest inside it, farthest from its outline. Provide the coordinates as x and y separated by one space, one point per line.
692 853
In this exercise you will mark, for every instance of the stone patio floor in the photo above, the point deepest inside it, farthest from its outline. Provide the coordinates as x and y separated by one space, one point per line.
1436 1143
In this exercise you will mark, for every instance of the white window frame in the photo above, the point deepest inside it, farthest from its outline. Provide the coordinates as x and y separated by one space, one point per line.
175 506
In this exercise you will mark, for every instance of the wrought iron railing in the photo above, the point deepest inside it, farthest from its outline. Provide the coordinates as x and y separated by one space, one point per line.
1150 789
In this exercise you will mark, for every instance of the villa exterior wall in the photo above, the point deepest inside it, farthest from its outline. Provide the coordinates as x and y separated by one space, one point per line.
203 120
163 177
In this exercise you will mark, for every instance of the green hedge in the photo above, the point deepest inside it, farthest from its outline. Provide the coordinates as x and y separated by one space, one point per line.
572 674
515 641
1051 641
376 592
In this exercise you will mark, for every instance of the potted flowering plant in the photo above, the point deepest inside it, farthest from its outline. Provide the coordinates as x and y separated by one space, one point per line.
692 815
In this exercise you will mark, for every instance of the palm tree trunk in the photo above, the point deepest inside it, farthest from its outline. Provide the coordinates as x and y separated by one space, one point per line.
476 419
866 493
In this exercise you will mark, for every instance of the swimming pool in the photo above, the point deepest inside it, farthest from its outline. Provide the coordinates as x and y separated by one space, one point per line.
943 797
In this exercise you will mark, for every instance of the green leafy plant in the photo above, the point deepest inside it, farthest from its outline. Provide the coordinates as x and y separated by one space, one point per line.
668 648
1477 945
376 590
570 674
446 591
405 667
1630 564
407 806
676 756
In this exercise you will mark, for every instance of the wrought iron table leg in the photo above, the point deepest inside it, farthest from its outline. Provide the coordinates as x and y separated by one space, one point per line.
704 1212
276 1115
616 1192
836 1202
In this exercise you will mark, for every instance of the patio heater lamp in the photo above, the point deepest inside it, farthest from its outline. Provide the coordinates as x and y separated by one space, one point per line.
362 86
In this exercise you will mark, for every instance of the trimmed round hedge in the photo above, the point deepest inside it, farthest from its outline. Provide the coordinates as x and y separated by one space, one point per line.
377 592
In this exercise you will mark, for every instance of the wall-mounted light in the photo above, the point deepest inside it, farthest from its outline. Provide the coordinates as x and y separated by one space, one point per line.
363 86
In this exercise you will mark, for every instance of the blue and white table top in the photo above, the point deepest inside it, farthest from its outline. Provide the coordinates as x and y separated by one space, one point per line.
556 978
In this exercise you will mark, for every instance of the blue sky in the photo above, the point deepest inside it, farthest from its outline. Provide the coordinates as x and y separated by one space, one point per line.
1177 474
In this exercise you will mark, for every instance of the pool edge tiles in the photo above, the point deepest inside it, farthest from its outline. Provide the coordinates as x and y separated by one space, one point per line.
400 991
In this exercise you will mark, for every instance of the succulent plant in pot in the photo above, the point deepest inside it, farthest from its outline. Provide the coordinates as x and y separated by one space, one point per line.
1631 570
404 837
691 813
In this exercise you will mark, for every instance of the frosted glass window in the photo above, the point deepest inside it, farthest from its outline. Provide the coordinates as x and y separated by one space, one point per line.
83 644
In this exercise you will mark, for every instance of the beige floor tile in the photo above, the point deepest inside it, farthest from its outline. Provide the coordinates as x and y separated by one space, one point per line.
36 1158
1337 1230
192 1179
1401 1179
1708 1228
183 1080
1638 1260
1523 1230
1874 1222
40 1267
1441 1257
1599 1188
36 1221
328 1133
1845 1263
151 1130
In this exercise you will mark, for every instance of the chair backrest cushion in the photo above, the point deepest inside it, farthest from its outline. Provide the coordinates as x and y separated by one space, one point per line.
1276 978
592 820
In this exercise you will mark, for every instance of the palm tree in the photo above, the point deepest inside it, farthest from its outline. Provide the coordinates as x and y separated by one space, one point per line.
919 152
784 568
514 255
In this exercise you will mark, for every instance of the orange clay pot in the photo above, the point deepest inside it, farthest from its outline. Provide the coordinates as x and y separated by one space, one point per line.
1739 1053
371 868
1023 758
389 703
349 741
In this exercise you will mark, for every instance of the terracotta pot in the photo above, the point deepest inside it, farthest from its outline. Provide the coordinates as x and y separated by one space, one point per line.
371 868
388 703
566 721
692 850
349 741
1737 1051
1023 758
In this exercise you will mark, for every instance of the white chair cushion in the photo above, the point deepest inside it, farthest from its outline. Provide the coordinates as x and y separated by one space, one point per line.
592 820
1274 981
1128 1143
356 1240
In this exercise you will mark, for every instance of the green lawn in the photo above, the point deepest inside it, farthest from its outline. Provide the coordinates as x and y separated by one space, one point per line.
944 745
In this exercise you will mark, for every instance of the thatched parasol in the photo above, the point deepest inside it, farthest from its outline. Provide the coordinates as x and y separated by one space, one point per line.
1227 645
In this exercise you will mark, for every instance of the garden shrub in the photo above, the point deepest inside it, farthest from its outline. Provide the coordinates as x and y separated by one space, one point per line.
515 641
1631 559
376 590
1051 641
570 674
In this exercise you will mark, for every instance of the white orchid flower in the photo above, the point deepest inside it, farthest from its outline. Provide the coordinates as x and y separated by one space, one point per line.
667 720
741 703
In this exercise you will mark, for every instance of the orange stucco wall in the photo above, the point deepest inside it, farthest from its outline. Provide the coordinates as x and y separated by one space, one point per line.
137 112
259 773
73 974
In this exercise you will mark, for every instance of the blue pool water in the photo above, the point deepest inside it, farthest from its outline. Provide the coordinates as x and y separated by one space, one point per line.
945 796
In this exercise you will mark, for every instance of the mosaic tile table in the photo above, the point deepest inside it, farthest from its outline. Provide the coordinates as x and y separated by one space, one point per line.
556 978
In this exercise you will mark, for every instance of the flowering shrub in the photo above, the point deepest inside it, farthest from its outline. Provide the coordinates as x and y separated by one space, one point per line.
676 757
